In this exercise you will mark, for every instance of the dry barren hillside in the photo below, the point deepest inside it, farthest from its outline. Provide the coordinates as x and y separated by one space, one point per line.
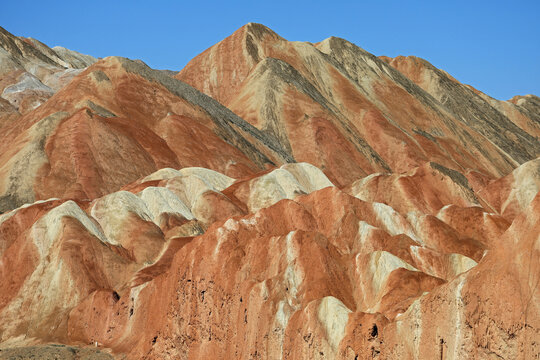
272 200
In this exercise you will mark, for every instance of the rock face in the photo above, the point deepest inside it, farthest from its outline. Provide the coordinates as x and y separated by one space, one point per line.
273 199
379 118
116 122
31 72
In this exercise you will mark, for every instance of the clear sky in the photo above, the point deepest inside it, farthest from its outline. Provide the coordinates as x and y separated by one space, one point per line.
491 45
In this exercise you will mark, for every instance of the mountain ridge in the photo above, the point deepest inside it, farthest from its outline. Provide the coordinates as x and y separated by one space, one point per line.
272 199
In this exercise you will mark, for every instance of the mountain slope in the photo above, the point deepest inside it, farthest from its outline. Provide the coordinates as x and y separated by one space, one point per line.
31 72
116 122
385 117
273 199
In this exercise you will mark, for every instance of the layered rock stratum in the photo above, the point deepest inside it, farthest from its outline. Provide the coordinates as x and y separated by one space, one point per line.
272 200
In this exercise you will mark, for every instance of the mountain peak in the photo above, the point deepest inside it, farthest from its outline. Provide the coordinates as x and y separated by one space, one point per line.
274 198
259 31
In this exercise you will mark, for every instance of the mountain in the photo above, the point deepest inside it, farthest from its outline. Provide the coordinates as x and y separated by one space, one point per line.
115 122
384 119
272 199
31 72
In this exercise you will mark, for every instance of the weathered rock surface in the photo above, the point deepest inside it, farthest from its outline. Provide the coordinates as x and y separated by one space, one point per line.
53 352
273 199
379 119
31 72
118 121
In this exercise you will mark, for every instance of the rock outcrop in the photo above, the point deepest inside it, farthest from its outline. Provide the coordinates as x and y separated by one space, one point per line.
379 118
31 72
118 121
272 199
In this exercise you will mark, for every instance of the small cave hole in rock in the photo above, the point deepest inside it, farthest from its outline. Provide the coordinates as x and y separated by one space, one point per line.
154 340
374 331
131 312
116 297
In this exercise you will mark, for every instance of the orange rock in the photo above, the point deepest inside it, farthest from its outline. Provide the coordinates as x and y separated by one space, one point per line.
307 201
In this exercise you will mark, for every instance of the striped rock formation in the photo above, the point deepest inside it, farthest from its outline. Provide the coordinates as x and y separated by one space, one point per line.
271 200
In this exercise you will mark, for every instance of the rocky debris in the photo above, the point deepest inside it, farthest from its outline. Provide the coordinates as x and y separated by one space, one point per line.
53 352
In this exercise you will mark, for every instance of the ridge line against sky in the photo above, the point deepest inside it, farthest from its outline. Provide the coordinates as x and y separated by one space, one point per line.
493 46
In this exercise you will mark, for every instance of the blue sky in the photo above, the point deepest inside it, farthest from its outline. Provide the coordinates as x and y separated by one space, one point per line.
492 45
